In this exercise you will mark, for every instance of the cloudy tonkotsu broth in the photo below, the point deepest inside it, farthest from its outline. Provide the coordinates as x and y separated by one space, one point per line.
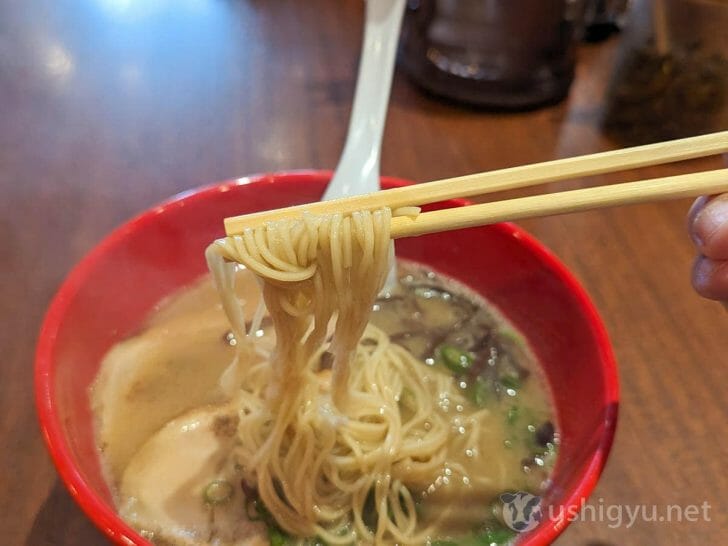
168 432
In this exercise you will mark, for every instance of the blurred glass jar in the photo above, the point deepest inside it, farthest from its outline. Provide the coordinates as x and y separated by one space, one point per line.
501 54
671 79
602 18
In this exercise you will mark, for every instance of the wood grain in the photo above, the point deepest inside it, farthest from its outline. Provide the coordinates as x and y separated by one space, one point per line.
107 107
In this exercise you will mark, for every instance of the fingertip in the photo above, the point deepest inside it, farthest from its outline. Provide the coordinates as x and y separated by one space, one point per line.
695 209
710 278
708 221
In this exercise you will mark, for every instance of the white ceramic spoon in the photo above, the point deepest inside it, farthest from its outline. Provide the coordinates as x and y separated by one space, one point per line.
358 168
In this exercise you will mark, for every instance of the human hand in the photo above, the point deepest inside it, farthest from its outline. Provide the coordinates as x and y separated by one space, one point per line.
708 226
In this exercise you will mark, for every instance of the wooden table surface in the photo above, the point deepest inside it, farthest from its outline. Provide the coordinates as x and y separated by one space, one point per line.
109 106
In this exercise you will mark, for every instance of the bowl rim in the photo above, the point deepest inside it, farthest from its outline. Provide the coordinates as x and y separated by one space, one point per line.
107 519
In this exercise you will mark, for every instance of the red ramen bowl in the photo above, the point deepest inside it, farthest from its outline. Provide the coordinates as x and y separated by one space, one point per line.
109 293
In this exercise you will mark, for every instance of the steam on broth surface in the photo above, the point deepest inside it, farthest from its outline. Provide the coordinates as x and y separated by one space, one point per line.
212 436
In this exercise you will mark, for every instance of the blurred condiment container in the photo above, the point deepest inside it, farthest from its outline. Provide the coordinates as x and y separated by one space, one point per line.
501 54
673 81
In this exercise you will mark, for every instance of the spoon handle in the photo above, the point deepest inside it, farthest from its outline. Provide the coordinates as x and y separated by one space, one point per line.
358 168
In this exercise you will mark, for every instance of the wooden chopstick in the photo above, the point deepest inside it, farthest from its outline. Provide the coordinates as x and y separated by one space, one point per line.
504 179
657 189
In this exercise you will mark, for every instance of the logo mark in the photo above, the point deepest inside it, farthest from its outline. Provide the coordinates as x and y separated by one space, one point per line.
521 511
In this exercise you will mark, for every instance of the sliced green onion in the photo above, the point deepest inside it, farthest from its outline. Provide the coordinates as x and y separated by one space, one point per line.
277 537
496 536
510 381
455 358
218 492
480 391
